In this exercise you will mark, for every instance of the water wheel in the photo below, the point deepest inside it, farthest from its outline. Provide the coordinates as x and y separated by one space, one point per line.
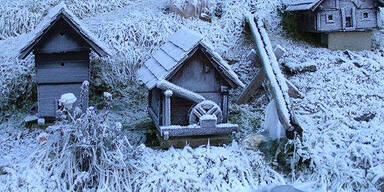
206 107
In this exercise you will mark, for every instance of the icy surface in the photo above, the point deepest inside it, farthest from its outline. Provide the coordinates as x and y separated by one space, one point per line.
272 123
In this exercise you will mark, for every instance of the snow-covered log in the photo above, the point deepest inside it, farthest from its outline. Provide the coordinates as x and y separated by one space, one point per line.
166 85
278 85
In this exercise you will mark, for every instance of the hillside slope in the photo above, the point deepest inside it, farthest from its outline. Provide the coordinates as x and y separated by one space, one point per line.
342 113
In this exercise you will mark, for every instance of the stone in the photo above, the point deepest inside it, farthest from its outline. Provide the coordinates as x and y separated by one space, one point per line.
354 41
296 68
41 121
254 141
366 117
2 171
30 119
285 188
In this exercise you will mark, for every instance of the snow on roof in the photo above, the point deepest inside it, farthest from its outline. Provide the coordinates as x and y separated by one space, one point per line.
174 53
302 5
52 16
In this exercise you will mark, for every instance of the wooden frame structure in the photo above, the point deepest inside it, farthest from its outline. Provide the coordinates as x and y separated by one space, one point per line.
280 88
61 44
188 88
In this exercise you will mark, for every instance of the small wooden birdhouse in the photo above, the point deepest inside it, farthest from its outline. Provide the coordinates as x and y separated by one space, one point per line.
61 45
342 24
188 88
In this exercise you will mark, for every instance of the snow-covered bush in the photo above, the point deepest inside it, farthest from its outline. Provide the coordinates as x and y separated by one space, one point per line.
203 169
18 17
16 82
87 153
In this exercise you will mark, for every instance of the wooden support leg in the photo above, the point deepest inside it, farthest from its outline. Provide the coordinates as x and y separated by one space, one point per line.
224 92
293 91
167 108
250 90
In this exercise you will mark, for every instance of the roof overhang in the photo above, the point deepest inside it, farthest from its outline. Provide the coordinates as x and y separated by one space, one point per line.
54 15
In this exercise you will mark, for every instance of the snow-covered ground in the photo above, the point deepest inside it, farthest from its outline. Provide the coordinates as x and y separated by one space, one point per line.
342 113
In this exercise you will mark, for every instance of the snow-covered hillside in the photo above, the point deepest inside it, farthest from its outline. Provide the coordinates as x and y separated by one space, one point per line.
342 113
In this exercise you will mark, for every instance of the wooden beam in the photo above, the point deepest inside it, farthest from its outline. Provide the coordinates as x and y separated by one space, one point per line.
250 90
257 82
196 130
293 91
185 93
279 87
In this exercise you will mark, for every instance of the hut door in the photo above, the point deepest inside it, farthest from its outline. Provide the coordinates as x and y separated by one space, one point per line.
349 18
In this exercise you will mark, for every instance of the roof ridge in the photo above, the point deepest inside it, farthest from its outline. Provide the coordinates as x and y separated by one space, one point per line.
48 20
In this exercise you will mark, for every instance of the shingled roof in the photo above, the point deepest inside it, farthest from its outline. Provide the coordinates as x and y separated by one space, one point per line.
54 14
174 53
303 5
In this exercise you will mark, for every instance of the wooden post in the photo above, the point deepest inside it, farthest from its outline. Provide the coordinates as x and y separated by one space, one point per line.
167 108
224 92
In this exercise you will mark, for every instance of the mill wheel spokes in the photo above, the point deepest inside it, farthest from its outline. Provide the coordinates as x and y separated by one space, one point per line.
206 107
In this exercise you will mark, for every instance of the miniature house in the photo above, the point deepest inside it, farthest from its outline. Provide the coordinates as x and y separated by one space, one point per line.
343 24
188 88
61 45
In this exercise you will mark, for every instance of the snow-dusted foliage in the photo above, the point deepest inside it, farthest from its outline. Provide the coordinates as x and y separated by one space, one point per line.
341 113
87 153
203 169
92 153
19 17
16 81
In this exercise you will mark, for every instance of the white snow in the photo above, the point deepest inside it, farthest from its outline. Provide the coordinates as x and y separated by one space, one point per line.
68 99
340 152
272 122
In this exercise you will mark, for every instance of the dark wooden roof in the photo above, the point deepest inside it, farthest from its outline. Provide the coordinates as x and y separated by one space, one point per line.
174 53
61 12
303 5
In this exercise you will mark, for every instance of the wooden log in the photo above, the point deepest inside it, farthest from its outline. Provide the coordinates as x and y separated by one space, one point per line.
185 93
279 88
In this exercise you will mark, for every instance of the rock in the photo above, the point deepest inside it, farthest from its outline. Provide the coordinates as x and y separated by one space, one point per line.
295 68
29 120
41 121
2 171
357 64
366 117
285 188
254 141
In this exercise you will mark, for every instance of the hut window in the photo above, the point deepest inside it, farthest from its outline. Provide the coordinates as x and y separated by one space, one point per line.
330 18
365 15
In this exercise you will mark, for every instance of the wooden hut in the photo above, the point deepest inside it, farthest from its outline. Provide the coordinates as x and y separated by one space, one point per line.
188 88
61 45
343 24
